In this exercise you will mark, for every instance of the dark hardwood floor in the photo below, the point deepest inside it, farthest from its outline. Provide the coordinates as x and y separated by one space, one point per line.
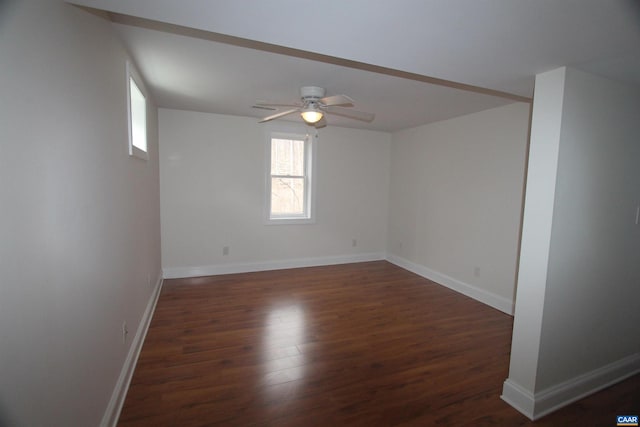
360 344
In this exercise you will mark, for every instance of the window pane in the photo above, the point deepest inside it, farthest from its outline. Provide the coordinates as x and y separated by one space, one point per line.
287 157
287 196
138 117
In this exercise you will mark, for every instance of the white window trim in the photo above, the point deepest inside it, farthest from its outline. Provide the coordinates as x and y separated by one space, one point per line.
133 74
310 172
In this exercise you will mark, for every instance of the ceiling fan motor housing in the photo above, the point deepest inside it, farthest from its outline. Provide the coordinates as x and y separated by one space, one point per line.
311 93
315 105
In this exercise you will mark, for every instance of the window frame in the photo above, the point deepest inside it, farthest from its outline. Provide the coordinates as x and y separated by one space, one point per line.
133 76
308 217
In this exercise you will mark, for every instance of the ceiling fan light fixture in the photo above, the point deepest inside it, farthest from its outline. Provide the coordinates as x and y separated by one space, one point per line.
311 115
313 106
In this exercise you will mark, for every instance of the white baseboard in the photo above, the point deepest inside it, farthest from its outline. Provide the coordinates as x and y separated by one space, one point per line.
536 406
247 267
112 413
500 303
518 397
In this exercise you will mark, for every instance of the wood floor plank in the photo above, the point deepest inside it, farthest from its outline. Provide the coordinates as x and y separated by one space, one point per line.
358 344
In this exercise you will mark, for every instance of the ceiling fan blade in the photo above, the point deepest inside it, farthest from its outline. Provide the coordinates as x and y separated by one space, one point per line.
343 100
278 104
321 123
263 107
280 114
350 113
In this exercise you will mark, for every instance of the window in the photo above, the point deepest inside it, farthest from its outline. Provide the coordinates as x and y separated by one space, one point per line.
289 189
137 107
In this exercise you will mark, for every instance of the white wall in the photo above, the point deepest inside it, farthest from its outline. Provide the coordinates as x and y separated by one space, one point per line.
586 329
537 219
213 171
594 266
79 218
455 201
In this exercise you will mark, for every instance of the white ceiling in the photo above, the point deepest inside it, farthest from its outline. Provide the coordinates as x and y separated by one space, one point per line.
494 44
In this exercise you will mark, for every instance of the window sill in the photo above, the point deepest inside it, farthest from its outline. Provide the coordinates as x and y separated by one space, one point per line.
289 221
136 152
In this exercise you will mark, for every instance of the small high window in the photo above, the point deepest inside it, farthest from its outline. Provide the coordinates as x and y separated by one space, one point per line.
137 118
289 189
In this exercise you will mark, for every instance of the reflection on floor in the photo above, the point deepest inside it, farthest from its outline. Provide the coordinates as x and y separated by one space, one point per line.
364 344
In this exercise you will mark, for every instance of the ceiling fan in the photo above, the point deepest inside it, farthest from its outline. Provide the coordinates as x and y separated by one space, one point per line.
313 106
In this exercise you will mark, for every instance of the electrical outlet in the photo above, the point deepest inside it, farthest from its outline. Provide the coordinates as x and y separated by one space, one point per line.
354 243
476 271
225 250
125 332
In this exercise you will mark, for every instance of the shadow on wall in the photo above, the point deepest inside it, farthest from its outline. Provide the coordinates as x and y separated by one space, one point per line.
5 8
4 421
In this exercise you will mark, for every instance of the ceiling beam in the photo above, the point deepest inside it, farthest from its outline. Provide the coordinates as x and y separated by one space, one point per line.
298 53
